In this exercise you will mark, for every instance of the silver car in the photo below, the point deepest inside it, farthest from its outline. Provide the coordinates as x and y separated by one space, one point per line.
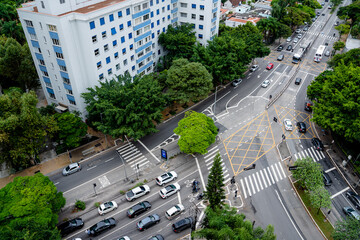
288 39
236 82
254 68
327 54
72 168
296 40
265 83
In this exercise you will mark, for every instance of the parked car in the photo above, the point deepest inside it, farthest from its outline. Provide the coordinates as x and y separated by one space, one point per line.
306 28
265 83
148 222
299 36
298 30
124 238
323 14
288 39
72 168
288 125
137 192
107 207
174 211
327 179
157 237
70 226
336 23
318 144
327 54
301 127
297 81
280 57
280 48
138 209
169 190
313 19
101 226
296 40
182 224
270 66
322 4
254 68
308 106
354 198
166 177
351 212
289 47
236 82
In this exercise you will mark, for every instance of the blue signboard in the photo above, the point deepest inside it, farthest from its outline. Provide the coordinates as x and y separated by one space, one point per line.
164 154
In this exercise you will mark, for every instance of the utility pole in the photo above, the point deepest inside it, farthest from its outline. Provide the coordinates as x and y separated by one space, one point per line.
123 162
105 133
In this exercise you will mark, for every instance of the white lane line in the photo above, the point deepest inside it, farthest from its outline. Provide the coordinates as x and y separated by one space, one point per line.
211 156
212 148
302 154
258 177
331 169
274 173
338 193
278 171
201 176
247 186
109 160
318 156
123 146
311 154
256 184
282 170
264 180
91 168
133 157
149 151
251 184
282 204
179 197
296 156
322 154
242 185
314 154
56 183
272 179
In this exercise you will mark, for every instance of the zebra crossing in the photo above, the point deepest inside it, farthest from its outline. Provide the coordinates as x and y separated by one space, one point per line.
310 152
209 160
262 179
131 155
330 37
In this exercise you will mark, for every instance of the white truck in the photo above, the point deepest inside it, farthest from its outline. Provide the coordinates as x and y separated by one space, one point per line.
300 53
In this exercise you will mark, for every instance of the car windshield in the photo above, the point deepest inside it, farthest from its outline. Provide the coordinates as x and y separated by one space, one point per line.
108 204
106 221
170 175
67 168
130 194
142 188
170 187
177 207
131 211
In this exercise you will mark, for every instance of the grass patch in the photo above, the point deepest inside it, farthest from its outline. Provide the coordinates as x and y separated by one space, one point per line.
325 226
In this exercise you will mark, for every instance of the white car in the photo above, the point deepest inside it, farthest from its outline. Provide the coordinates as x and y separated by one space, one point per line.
299 36
124 238
296 40
165 178
288 39
137 192
288 125
298 30
254 68
169 190
265 83
174 211
107 207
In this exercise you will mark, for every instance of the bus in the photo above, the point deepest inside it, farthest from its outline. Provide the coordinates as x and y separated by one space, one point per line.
319 53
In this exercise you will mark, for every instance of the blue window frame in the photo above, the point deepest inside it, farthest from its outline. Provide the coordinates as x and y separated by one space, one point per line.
158 32
121 27
109 71
163 9
168 16
152 25
131 46
168 7
202 7
98 64
201 27
163 0
153 35
103 34
114 43
119 14
200 36
122 39
163 19
152 14
116 55
101 76
193 25
92 25
158 22
132 58
157 11
107 60
111 17
157 1
128 11
193 6
124 50
151 3
133 68
129 23
102 21
113 31
130 35
163 29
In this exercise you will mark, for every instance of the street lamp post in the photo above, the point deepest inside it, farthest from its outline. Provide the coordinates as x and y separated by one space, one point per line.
215 98
123 162
105 133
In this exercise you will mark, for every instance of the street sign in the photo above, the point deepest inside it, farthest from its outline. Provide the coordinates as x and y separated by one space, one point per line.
164 154
292 168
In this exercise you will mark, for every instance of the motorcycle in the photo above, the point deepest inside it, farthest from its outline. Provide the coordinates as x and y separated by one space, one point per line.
196 187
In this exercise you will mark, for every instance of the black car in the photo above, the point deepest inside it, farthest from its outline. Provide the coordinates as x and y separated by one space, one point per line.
354 198
148 222
182 224
157 237
308 106
297 81
289 48
280 48
101 226
70 226
318 144
301 126
327 179
138 209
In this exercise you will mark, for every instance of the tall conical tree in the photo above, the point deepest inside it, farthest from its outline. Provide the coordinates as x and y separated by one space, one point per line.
215 191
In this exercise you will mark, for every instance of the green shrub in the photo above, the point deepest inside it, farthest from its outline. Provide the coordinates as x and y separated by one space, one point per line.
80 205
145 181
97 204
122 192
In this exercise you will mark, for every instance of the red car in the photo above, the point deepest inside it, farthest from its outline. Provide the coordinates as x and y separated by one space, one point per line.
270 66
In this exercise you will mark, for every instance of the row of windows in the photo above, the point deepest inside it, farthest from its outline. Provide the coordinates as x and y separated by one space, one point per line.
106 48
193 16
111 19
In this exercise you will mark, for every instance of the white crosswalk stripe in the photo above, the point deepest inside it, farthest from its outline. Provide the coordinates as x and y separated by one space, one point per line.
262 179
330 37
131 155
310 152
209 160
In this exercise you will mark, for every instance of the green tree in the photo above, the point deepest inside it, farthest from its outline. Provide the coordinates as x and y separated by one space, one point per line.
29 209
308 173
336 2
320 198
226 224
22 129
197 132
178 41
351 11
338 45
273 29
188 81
337 107
352 56
128 106
347 229
295 17
215 191
12 29
355 31
71 129
343 28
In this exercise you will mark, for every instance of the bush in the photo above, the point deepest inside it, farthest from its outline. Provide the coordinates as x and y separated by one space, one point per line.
122 192
97 204
145 181
80 205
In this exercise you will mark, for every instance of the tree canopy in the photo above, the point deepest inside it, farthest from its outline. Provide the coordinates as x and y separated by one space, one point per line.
347 229
197 132
337 105
308 173
129 106
29 209
215 191
22 129
225 223
352 56
188 81
272 29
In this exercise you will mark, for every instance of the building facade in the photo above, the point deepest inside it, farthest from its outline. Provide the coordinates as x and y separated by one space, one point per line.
75 44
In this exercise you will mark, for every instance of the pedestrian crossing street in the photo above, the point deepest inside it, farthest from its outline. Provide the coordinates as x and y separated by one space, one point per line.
131 155
330 37
262 179
209 160
310 152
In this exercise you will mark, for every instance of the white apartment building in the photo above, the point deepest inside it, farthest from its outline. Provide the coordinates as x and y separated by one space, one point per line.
77 43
